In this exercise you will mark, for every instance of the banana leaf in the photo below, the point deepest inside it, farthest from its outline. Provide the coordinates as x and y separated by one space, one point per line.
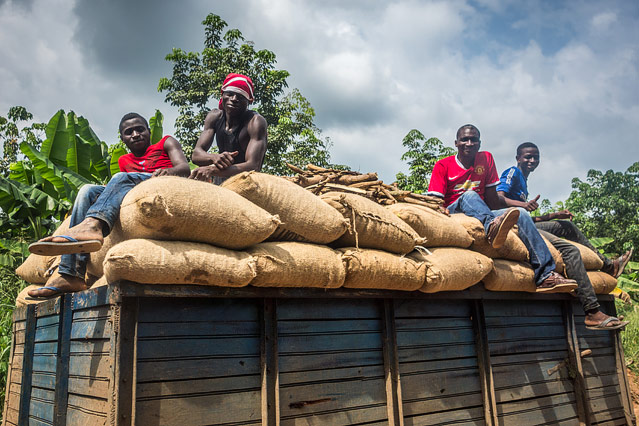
78 150
56 144
20 200
155 123
65 181
13 246
601 241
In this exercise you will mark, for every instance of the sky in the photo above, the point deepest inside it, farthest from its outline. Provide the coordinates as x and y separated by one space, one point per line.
562 74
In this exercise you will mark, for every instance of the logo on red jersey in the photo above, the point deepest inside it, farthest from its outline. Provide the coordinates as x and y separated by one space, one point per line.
479 170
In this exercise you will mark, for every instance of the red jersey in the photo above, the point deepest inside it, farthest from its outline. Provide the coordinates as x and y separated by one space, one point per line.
153 159
450 179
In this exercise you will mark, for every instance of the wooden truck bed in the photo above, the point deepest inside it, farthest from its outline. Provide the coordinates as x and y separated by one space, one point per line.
191 355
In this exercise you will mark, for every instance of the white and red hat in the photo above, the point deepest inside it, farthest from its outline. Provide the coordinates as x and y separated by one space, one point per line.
238 83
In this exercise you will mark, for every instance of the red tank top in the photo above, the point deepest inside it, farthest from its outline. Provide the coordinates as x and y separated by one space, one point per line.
153 159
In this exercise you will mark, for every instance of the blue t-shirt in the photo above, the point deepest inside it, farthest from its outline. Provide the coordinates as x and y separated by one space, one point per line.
514 184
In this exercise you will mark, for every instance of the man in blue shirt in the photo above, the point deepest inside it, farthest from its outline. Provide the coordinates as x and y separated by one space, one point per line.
513 189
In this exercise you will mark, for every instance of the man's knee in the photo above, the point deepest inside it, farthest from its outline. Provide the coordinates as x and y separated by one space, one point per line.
468 195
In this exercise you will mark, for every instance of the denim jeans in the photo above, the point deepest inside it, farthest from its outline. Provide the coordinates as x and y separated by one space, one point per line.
100 202
568 230
575 269
471 204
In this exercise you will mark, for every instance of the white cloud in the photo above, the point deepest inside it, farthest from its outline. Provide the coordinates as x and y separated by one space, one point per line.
603 21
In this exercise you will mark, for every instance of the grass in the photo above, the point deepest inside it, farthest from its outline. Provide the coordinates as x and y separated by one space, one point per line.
10 286
630 336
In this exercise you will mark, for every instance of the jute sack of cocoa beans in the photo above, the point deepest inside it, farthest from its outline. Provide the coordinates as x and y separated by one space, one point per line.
178 262
96 259
295 264
438 229
560 266
100 282
453 269
508 275
367 268
512 249
602 283
371 225
305 217
592 262
174 208
33 269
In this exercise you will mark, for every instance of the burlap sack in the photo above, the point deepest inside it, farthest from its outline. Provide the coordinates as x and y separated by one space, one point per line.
452 268
508 275
372 226
366 268
438 229
560 266
602 282
174 208
592 262
23 298
100 282
33 269
294 264
513 248
304 216
96 259
177 262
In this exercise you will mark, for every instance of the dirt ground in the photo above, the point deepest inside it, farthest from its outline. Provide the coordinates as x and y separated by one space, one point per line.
633 378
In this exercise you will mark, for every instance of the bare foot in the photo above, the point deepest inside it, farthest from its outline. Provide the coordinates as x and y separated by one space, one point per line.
89 229
65 284
595 319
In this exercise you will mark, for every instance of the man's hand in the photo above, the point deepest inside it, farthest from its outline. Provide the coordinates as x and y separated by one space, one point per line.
223 160
532 205
563 214
162 172
204 173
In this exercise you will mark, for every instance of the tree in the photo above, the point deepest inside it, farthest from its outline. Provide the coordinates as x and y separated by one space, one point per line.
197 77
11 135
607 205
422 155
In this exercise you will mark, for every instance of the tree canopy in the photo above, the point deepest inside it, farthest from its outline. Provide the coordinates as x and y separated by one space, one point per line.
422 154
198 77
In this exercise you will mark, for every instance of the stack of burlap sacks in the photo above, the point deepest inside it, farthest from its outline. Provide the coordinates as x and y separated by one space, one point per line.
262 230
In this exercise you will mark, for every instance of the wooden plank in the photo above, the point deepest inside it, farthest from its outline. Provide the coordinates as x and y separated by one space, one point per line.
91 298
124 383
48 348
527 345
91 328
185 388
93 312
538 331
469 416
532 390
575 365
45 363
201 368
438 384
269 341
81 416
521 308
329 359
315 309
198 329
435 404
594 365
286 328
27 366
333 396
19 336
435 337
330 342
420 352
79 347
205 310
406 309
486 379
198 347
89 365
335 373
231 407
43 380
626 398
368 416
515 375
9 384
89 386
62 370
552 415
11 417
47 308
394 403
437 366
41 405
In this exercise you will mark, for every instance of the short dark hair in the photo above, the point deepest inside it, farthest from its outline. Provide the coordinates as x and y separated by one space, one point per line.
467 126
132 115
524 146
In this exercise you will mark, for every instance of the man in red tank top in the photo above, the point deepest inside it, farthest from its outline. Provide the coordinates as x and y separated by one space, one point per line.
97 207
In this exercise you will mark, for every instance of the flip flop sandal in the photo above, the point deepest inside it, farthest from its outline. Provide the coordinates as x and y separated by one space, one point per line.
56 290
603 325
73 246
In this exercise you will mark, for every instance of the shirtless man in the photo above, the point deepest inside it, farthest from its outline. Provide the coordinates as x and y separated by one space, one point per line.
97 207
239 132
513 190
467 182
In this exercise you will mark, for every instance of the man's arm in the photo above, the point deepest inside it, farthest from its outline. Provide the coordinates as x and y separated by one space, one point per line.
201 156
255 150
492 199
563 214
180 166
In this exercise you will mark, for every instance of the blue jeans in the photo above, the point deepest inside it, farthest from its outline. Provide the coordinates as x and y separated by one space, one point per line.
471 204
100 202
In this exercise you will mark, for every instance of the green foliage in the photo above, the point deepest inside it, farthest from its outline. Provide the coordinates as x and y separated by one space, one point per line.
10 286
607 203
421 154
199 76
11 135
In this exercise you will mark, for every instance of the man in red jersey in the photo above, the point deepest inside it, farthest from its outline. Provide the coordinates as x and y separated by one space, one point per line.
239 132
97 207
467 183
